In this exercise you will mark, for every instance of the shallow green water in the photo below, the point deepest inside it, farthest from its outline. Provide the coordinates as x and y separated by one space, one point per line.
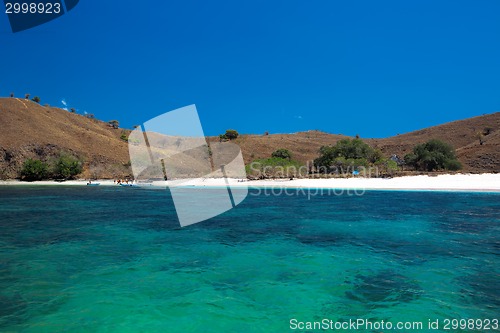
116 260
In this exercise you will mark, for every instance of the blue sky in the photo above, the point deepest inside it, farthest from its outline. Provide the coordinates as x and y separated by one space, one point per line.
373 68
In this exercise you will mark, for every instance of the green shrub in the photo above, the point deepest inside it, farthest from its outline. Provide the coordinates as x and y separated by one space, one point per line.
433 155
282 153
452 165
34 170
36 99
347 152
386 167
392 165
124 137
231 134
67 167
114 123
273 167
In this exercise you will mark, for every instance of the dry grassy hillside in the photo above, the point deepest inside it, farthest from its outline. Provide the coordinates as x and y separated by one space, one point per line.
462 135
303 145
30 130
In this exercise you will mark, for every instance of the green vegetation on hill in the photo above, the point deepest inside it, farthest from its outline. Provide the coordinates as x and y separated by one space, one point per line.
273 167
282 153
433 155
345 154
64 167
229 135
67 167
279 165
34 170
114 123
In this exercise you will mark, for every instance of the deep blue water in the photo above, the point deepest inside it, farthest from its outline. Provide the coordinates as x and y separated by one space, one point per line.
106 259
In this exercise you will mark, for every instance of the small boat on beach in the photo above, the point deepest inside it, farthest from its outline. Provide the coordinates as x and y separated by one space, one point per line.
130 185
93 184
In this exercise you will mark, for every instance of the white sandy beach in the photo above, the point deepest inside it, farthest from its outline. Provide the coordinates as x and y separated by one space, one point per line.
458 182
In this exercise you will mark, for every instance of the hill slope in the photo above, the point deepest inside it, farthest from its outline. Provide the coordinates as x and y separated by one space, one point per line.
462 135
30 130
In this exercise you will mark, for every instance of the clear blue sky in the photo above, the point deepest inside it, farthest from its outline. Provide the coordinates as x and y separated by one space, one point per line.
373 68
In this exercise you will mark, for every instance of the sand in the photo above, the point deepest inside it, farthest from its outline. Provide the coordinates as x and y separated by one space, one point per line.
457 182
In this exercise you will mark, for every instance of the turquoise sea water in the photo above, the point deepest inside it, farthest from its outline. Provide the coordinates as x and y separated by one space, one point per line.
80 259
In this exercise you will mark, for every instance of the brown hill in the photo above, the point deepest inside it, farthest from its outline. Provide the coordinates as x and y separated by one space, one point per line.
30 130
303 145
462 135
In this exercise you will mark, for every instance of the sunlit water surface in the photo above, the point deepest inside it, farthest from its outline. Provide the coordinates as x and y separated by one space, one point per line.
106 259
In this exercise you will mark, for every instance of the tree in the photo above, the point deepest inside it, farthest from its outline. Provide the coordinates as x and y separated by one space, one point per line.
114 123
12 94
34 170
36 99
433 155
27 96
66 167
222 137
231 134
282 153
347 152
72 110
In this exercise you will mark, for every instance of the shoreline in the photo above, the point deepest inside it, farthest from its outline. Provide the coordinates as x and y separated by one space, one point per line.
458 182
